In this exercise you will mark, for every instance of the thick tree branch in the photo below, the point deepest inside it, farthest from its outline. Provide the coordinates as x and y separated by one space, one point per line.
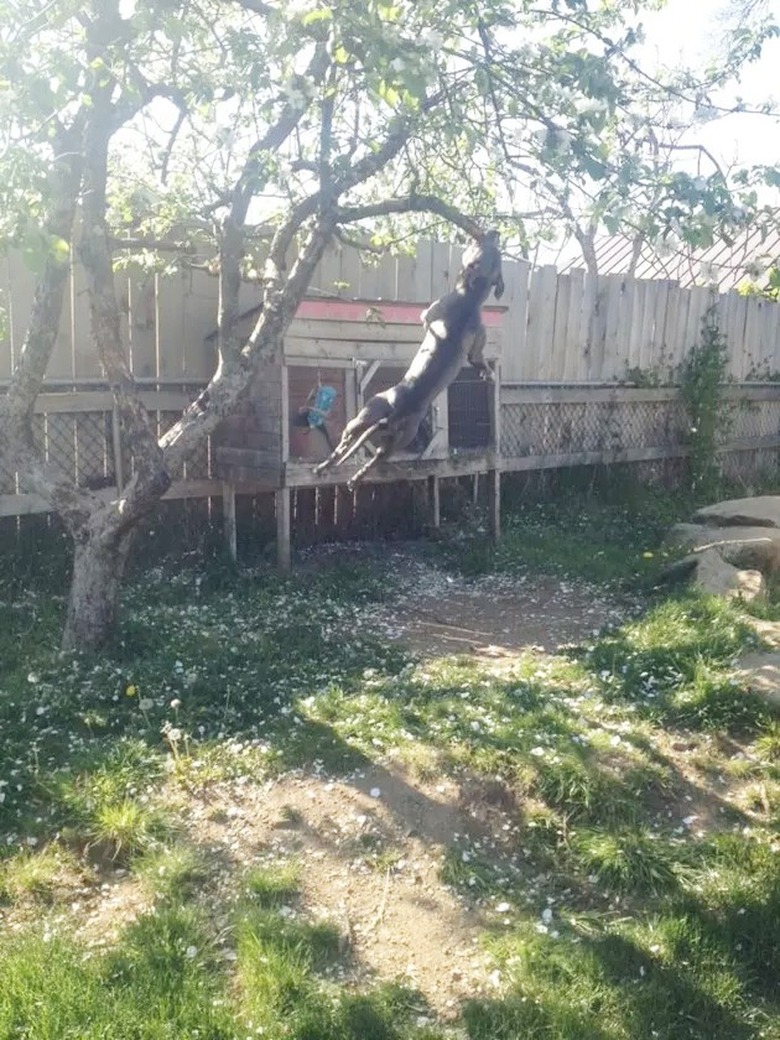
16 406
150 475
231 232
411 204
361 171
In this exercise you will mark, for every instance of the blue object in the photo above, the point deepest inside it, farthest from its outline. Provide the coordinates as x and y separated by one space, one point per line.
323 402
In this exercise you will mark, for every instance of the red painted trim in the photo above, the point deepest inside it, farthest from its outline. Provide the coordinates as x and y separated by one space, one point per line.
391 312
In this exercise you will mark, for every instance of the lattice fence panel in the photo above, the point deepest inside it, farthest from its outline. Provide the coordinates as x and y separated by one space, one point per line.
753 419
566 427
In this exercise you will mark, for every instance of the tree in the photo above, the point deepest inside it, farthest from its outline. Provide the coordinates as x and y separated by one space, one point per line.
268 128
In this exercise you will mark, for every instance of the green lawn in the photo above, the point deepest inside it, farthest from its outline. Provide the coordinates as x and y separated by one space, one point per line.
640 890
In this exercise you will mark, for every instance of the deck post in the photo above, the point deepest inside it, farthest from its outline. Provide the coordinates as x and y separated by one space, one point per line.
229 518
494 503
494 475
283 516
434 501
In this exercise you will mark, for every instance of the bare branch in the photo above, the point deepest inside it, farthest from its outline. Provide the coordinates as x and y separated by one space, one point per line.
702 150
257 7
274 137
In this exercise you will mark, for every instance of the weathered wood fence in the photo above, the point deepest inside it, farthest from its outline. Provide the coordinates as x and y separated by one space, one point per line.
571 345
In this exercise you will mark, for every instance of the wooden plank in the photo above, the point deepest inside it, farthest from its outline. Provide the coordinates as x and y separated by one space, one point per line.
524 394
681 345
25 504
370 277
84 362
348 271
425 270
387 278
572 345
625 328
515 325
19 303
620 309
648 351
454 266
634 336
597 335
327 277
406 278
529 367
103 401
494 503
440 269
463 464
434 501
200 318
556 356
142 325
590 304
333 351
229 518
170 326
735 333
61 363
283 540
660 361
335 332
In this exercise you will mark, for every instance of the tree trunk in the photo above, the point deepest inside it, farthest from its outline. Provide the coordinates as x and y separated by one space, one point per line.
98 569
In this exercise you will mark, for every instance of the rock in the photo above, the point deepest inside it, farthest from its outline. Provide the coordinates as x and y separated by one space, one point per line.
757 548
761 511
733 546
761 672
717 576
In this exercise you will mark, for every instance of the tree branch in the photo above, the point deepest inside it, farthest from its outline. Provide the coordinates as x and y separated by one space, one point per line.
16 406
411 204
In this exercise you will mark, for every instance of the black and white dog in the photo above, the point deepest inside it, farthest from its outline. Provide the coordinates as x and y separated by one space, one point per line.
453 332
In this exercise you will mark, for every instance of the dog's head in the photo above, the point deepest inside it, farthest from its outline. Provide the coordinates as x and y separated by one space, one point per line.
482 263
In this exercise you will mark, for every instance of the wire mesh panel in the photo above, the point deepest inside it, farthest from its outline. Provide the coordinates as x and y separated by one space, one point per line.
539 427
468 410
752 418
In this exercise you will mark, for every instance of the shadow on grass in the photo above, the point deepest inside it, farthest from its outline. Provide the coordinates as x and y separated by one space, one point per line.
662 978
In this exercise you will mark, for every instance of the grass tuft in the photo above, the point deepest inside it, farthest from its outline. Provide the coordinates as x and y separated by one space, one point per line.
627 861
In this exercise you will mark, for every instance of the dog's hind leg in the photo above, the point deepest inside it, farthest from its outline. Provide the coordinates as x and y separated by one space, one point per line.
369 432
357 477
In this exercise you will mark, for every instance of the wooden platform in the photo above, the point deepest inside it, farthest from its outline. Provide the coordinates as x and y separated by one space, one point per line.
246 471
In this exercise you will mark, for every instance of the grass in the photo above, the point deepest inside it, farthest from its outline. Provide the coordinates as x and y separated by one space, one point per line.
635 894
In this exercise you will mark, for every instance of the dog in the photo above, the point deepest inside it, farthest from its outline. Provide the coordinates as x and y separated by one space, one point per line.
453 331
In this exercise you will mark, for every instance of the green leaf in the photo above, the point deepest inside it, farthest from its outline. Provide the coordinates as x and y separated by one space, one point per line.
389 93
321 14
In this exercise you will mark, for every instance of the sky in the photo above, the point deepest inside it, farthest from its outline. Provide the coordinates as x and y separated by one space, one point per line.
689 31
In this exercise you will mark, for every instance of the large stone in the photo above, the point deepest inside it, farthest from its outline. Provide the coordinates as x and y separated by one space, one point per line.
761 511
761 672
715 575
755 548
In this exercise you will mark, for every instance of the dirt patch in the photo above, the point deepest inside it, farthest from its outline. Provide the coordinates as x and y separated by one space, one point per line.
492 619
371 849
496 615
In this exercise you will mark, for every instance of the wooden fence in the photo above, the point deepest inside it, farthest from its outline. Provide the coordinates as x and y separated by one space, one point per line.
570 343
